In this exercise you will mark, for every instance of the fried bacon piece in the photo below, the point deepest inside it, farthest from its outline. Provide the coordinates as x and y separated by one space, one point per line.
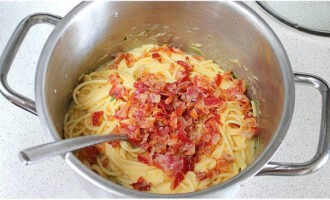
141 185
89 153
118 59
222 166
157 57
175 166
129 59
97 118
117 91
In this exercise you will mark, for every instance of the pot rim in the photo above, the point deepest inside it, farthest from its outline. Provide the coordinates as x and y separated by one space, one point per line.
113 188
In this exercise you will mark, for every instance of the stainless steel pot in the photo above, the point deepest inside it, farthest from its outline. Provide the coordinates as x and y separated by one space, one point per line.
230 33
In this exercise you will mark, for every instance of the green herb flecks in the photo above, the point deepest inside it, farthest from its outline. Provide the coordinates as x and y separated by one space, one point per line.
255 147
196 47
254 105
235 75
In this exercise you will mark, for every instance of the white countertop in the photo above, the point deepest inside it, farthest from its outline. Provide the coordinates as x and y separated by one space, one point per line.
54 178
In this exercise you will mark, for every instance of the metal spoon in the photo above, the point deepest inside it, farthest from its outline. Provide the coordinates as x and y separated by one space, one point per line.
42 152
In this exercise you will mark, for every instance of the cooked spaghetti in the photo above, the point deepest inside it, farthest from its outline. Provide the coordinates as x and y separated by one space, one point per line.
189 123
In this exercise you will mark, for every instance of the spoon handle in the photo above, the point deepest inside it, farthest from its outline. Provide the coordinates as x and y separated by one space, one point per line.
38 153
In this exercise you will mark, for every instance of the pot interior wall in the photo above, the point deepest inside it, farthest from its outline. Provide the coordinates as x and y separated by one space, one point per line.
227 36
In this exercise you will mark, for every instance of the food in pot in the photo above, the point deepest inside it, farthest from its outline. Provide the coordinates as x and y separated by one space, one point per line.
189 123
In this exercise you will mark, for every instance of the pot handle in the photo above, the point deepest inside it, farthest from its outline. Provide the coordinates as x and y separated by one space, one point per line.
322 153
10 52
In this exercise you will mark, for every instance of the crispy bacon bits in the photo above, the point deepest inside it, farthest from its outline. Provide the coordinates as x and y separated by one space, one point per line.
221 166
118 58
175 166
114 143
157 57
161 118
129 59
97 118
218 79
89 153
186 66
141 185
117 91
